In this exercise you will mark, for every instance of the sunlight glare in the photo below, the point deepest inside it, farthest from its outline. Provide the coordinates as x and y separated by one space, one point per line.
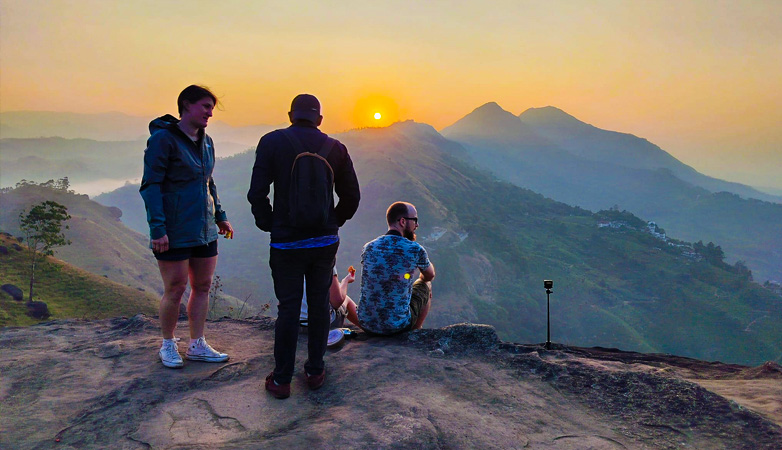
375 110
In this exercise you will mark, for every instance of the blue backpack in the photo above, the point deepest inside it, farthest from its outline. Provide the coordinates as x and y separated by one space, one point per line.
311 191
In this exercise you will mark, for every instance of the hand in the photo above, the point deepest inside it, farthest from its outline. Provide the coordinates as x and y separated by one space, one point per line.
160 245
225 229
351 276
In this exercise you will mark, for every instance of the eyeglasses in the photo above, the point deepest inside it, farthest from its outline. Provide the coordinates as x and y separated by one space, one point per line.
414 219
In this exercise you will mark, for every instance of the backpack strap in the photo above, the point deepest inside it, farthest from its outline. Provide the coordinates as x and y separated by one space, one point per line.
324 151
295 142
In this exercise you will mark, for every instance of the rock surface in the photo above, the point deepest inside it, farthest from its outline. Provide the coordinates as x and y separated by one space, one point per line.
93 385
38 310
14 291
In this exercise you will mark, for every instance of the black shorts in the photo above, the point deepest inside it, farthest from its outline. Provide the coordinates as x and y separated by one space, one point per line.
185 253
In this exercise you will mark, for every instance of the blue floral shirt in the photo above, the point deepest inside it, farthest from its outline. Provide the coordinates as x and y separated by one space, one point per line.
387 276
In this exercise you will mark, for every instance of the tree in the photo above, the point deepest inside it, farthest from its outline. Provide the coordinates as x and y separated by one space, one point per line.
42 228
63 184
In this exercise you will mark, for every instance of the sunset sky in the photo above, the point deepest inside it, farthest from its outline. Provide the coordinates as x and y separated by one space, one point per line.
702 79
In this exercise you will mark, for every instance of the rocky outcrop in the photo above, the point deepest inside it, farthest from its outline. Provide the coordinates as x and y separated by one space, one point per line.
14 291
38 310
81 385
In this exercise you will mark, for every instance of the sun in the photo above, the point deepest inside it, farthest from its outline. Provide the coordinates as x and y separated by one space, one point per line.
374 110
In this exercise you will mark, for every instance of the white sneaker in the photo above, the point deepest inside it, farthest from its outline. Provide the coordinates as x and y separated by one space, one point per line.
169 355
201 351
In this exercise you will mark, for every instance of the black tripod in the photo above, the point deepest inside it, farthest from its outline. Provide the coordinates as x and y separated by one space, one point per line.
548 284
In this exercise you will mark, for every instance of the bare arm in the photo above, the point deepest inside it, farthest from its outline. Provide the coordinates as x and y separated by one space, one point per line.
338 292
428 273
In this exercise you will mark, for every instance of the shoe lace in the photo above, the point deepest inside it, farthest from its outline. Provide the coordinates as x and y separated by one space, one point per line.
205 346
170 351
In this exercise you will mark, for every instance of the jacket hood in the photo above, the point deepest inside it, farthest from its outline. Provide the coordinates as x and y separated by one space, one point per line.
163 122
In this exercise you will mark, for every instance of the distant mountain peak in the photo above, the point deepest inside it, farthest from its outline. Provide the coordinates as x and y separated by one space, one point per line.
416 130
407 125
482 119
549 115
490 110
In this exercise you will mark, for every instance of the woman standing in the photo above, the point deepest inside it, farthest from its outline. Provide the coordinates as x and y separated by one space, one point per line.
182 209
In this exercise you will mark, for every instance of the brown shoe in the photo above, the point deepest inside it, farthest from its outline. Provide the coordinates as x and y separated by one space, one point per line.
278 390
315 381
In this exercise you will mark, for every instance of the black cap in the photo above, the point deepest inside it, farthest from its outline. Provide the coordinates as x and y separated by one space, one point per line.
305 107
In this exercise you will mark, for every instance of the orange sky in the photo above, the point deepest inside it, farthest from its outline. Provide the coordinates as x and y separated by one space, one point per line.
699 78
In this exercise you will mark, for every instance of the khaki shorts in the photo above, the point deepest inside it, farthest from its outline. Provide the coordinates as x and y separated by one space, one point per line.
339 317
418 300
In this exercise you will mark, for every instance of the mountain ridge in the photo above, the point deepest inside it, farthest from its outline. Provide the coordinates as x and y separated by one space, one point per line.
111 126
493 242
103 245
651 189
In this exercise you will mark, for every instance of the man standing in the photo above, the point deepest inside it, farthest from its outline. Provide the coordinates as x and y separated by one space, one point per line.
303 242
391 302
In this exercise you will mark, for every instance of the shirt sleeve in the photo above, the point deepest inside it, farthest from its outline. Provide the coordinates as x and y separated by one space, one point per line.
156 158
220 215
347 189
423 259
262 178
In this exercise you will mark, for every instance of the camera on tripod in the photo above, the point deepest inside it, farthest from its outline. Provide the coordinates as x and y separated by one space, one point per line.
548 284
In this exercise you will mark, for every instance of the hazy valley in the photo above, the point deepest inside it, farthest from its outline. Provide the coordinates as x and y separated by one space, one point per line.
493 244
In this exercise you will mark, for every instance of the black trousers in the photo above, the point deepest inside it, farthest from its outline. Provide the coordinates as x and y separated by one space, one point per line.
289 270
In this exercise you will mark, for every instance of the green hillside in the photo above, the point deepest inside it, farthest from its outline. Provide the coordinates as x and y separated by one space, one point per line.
102 244
69 292
567 160
618 287
493 243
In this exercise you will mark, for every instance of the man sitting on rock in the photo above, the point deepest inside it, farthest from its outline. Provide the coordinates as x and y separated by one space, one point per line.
392 301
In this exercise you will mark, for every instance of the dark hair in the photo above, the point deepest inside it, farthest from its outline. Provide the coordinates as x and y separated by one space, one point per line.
193 94
396 211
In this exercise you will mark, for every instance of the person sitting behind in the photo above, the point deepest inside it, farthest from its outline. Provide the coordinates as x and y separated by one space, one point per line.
342 305
391 301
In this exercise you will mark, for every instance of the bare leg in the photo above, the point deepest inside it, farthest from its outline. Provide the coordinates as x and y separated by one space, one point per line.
201 272
424 311
174 274
352 315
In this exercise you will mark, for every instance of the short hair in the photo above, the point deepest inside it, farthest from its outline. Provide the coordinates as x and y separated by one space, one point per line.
396 211
193 94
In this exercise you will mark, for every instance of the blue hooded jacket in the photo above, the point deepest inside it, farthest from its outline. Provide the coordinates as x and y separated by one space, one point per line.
177 187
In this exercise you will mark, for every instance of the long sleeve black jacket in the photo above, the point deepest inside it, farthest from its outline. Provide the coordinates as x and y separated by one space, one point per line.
273 162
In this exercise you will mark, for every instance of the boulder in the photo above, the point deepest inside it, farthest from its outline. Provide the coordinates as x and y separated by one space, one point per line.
17 247
13 291
38 310
3 250
115 212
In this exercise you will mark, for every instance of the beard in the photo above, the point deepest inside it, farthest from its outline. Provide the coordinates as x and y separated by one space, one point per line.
410 234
